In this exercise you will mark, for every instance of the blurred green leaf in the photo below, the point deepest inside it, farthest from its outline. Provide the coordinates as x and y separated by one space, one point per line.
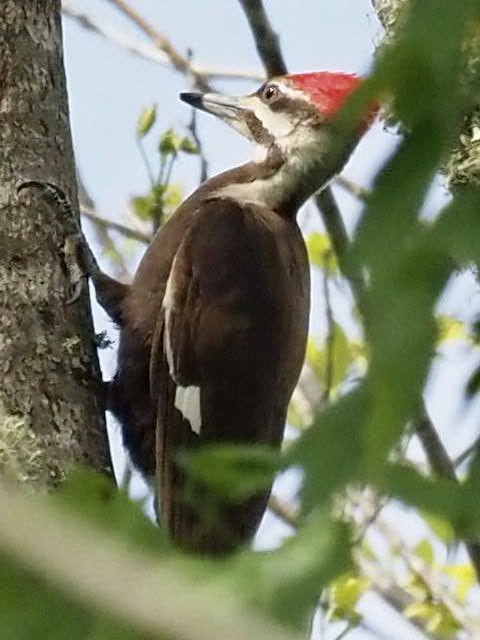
437 618
451 329
330 452
96 498
146 120
170 143
288 582
331 361
464 577
440 527
33 609
344 594
439 497
142 206
188 146
424 550
320 252
233 472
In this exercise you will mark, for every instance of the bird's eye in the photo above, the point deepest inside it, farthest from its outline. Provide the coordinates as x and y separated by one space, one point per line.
270 92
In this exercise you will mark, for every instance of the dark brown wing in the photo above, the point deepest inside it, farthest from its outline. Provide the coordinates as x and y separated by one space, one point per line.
226 356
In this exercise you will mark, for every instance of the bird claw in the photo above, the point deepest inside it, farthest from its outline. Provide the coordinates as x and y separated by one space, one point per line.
78 258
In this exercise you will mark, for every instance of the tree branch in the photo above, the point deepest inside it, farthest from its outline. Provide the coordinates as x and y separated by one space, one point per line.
147 51
179 62
87 209
362 193
266 40
443 467
128 232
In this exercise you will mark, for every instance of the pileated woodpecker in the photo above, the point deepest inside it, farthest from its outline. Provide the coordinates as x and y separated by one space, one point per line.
214 325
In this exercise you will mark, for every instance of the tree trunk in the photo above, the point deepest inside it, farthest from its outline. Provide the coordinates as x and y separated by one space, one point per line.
50 415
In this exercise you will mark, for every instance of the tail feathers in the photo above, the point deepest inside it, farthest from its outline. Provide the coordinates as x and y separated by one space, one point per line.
193 516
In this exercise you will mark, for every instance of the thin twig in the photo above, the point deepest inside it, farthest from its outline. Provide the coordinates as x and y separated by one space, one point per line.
337 232
128 232
179 62
361 193
462 457
284 511
192 127
146 163
330 339
87 209
147 51
386 588
429 577
442 466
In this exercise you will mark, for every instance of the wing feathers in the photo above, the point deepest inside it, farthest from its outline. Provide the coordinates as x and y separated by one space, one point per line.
233 324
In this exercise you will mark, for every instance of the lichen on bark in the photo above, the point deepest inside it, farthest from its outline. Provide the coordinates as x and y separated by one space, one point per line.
48 362
463 164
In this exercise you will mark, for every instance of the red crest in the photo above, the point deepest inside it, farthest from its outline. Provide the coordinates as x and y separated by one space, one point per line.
329 91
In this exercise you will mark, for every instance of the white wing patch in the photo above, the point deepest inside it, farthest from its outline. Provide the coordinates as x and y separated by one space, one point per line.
167 306
187 399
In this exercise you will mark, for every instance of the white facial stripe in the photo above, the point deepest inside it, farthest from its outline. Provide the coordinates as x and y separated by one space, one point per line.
276 123
290 91
187 401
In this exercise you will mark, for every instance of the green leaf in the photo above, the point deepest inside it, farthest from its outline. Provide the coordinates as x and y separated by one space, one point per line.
451 329
331 451
288 583
344 594
146 120
437 618
332 362
320 252
96 498
424 550
440 497
169 144
233 472
440 527
465 579
188 146
142 206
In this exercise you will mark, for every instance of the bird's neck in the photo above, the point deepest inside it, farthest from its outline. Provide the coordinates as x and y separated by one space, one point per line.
279 181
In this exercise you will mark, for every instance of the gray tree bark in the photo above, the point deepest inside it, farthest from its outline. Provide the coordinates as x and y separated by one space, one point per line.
50 414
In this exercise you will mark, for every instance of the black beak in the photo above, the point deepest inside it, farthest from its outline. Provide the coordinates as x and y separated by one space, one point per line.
193 99
230 109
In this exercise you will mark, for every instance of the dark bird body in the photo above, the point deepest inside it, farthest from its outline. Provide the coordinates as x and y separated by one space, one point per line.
235 324
214 325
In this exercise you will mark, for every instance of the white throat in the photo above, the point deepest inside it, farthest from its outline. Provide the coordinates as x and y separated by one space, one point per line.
304 167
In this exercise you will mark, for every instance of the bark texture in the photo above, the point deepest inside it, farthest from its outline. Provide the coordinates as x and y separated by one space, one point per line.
50 417
463 165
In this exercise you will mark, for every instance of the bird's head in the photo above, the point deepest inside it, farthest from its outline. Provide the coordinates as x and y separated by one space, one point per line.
289 111
291 119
